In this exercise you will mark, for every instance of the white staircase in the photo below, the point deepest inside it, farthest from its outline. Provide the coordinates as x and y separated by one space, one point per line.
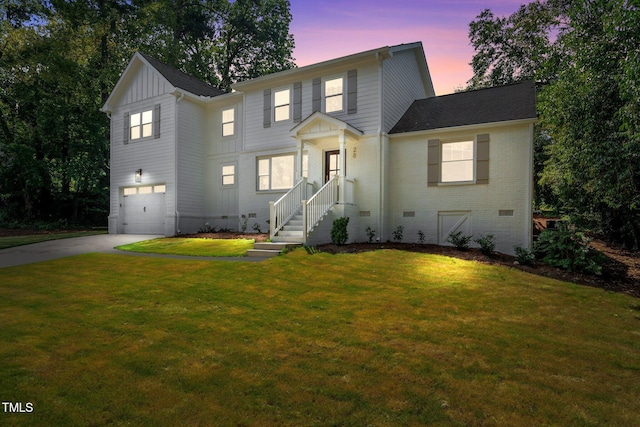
300 216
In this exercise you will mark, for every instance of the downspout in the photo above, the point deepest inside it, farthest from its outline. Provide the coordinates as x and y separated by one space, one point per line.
381 156
175 160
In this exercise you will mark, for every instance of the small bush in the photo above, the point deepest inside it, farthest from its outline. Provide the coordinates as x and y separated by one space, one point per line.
256 228
207 229
460 241
568 249
398 234
525 256
371 233
421 237
487 244
339 232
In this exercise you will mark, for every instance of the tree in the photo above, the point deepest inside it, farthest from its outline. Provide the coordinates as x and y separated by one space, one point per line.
59 61
584 57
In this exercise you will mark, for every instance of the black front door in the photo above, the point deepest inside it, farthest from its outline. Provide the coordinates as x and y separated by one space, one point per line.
331 164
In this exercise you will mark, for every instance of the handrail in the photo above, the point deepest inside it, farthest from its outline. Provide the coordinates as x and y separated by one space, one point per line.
286 206
318 205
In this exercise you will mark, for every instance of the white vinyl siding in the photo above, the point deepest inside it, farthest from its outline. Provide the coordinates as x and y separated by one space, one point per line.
402 85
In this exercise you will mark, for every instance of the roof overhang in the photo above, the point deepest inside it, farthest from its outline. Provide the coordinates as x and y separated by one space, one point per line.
464 128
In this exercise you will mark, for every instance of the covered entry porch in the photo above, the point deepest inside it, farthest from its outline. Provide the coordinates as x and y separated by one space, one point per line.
323 185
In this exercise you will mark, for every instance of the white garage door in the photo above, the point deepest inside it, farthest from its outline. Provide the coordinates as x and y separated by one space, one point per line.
143 209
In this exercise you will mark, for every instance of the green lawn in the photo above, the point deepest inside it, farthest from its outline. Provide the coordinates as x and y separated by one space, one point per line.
378 338
11 241
192 247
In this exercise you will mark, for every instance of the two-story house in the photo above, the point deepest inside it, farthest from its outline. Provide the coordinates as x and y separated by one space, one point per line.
362 136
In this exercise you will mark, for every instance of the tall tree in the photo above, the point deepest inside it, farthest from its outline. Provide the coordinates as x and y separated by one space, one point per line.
584 57
59 60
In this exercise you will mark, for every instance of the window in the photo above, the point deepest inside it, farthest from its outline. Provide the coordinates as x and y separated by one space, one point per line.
333 95
141 124
457 161
281 102
229 175
228 122
276 173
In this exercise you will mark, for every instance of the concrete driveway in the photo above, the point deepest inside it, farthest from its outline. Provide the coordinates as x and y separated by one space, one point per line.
53 249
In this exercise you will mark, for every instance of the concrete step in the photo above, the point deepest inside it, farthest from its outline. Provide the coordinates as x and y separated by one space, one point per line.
287 239
285 233
263 253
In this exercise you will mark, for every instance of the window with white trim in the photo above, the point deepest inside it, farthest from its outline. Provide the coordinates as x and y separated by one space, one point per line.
228 122
457 161
141 124
228 175
281 105
333 95
276 172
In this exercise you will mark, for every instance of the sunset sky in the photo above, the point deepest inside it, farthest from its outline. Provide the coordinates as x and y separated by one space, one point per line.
327 29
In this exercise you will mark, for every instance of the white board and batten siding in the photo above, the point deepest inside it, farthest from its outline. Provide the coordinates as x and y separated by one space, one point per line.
144 90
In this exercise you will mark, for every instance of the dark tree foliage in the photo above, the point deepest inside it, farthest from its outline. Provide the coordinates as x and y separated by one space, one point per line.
585 57
59 61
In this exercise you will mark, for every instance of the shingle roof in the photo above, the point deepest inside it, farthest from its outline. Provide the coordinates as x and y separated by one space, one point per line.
182 80
497 104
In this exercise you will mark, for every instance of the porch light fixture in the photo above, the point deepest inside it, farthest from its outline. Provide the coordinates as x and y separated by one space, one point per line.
139 175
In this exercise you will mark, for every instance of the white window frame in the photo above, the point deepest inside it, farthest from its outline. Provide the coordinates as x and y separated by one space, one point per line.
142 124
280 107
226 123
225 175
267 173
326 97
459 158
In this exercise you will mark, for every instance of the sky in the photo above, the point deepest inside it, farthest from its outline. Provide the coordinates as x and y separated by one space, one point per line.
328 29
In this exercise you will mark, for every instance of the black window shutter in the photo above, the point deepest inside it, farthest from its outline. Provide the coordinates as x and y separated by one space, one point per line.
352 91
433 163
266 120
482 160
156 121
316 95
126 128
297 102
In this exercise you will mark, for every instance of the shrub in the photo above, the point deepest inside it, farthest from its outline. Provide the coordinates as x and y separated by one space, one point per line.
487 244
525 256
421 237
398 234
371 233
460 241
256 228
568 249
339 232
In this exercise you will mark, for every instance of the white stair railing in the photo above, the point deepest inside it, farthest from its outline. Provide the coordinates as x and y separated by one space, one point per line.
318 205
286 206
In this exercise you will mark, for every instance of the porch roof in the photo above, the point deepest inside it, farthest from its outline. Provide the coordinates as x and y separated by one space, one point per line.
319 125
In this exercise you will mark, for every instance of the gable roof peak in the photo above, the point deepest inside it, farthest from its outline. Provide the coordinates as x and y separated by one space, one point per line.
180 79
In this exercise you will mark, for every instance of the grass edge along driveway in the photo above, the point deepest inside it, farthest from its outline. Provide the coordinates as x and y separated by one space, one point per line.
381 338
192 246
27 239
